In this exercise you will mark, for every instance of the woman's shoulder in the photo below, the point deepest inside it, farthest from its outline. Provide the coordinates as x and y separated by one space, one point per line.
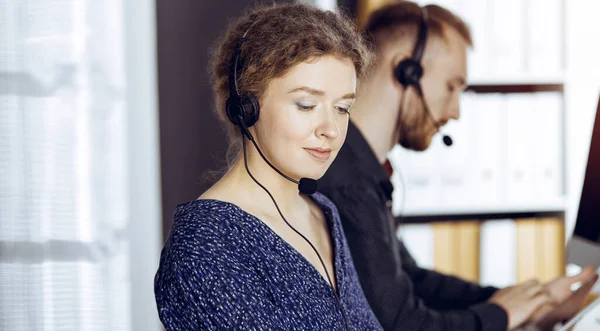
208 242
205 214
205 227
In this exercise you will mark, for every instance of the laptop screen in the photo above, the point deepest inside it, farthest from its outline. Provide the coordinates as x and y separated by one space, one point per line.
588 217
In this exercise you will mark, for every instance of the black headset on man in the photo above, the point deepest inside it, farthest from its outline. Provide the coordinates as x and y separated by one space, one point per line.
243 110
410 71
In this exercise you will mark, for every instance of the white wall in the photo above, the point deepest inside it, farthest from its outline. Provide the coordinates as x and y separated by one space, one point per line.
144 172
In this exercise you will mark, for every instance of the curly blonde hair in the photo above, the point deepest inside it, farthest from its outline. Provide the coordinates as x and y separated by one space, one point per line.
279 37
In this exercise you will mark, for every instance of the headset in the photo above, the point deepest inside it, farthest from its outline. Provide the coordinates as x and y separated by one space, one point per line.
243 110
410 71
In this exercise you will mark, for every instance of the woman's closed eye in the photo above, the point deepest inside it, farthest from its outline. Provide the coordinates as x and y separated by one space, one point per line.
304 106
343 109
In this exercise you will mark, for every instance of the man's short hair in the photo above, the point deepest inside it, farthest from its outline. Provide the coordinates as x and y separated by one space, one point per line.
401 20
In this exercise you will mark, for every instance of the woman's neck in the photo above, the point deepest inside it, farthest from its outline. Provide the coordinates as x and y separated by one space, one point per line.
247 192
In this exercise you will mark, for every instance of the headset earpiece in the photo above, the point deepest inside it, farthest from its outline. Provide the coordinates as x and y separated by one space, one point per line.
251 109
409 72
240 106
244 108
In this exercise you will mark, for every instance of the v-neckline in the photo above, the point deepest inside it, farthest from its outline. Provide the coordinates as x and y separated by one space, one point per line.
332 231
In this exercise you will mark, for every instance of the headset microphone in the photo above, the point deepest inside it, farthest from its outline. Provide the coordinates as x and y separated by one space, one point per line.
307 186
447 140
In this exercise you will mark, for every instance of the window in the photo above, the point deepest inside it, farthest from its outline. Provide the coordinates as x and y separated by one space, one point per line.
64 167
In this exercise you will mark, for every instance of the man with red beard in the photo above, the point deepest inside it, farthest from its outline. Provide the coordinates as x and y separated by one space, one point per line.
414 89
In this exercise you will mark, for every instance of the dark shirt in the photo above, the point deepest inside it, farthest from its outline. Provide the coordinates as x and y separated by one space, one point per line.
224 269
402 295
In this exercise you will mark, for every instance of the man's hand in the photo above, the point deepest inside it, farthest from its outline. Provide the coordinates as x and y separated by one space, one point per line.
521 301
567 301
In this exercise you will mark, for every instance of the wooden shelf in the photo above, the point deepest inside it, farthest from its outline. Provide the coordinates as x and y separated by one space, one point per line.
525 84
515 88
518 80
418 219
554 208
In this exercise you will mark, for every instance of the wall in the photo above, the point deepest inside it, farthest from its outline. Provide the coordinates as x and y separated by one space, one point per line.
192 138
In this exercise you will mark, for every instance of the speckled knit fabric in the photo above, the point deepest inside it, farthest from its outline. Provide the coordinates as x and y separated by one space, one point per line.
223 269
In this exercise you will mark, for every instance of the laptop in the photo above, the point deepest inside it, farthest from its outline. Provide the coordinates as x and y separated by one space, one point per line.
587 320
583 247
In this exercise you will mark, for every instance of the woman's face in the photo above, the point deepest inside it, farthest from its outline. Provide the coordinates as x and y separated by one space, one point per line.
304 116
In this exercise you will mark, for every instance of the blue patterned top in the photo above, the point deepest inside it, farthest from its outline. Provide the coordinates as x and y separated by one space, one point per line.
224 269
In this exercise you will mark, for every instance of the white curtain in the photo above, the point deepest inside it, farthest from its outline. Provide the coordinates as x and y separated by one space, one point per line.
64 166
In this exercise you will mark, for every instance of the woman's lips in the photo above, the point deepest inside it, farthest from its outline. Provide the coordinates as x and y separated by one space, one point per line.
320 154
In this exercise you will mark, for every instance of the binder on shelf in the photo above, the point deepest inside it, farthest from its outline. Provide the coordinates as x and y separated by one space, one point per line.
520 132
477 16
506 39
551 249
457 248
548 142
544 37
541 249
526 249
418 239
498 253
454 162
419 175
488 145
